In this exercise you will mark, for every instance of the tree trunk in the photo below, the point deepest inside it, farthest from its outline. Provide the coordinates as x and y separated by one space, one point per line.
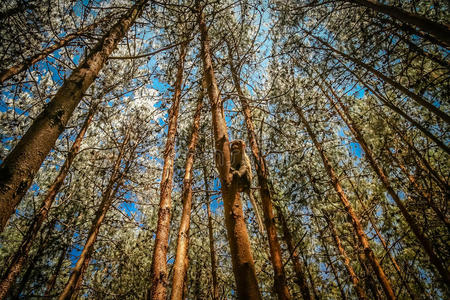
332 267
417 98
298 267
52 280
425 195
266 198
159 275
181 260
19 167
76 277
349 209
30 61
386 102
212 250
241 256
22 252
346 260
438 31
380 237
427 246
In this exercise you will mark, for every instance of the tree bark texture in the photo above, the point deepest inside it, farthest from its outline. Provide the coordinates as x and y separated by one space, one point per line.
417 98
21 255
159 275
20 166
181 259
30 61
423 240
299 269
280 282
76 277
384 281
438 31
346 260
241 256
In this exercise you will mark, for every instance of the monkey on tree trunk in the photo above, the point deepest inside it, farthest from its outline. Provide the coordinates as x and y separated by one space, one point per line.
242 171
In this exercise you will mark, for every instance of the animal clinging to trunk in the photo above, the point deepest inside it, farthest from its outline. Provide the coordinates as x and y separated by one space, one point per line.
242 172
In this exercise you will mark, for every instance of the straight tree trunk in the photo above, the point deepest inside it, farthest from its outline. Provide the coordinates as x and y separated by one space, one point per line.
76 277
349 209
438 31
159 275
241 255
425 243
212 250
20 166
30 61
346 260
181 259
298 266
417 98
280 282
22 252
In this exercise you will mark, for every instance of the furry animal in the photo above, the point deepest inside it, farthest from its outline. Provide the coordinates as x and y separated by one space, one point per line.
242 171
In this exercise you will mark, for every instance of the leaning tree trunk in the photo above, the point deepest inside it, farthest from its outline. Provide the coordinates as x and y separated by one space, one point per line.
386 102
241 255
212 250
337 241
56 270
30 61
330 263
76 277
22 252
346 260
384 281
427 246
159 275
380 237
438 31
19 167
299 269
181 260
417 98
280 282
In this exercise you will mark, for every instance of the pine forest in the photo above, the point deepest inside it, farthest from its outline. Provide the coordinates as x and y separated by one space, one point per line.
232 149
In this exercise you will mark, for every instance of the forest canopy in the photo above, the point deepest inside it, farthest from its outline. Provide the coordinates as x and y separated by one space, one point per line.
248 149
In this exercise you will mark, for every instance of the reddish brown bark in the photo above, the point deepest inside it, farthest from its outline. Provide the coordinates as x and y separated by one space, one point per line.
181 260
417 98
18 169
26 64
21 255
76 277
280 282
384 281
159 274
346 260
212 249
298 266
241 256
427 246
438 31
